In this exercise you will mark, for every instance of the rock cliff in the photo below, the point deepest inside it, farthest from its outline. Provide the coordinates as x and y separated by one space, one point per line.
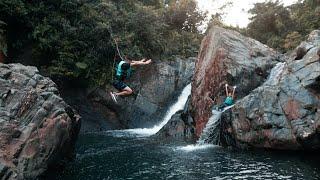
283 113
227 57
155 87
37 128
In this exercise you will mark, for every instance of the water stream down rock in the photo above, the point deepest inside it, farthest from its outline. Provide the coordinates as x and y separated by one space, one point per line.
227 57
283 113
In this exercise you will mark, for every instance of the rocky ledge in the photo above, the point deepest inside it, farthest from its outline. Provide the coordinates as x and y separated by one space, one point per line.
277 99
227 57
283 113
38 129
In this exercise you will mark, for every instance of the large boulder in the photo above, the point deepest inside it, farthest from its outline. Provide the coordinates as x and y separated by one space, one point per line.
283 113
227 57
155 87
37 128
179 128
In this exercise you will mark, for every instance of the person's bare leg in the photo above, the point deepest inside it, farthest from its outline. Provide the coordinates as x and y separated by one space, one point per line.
125 92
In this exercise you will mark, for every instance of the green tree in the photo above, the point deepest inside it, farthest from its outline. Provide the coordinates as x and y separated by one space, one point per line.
184 15
281 27
73 40
270 23
292 40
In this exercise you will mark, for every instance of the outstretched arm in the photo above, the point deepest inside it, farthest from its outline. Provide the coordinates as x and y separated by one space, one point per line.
141 62
227 89
234 89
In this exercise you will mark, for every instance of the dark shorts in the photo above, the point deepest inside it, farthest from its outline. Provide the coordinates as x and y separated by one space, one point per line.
119 85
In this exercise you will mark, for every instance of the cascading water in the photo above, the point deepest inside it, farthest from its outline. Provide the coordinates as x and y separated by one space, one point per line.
210 135
275 74
145 132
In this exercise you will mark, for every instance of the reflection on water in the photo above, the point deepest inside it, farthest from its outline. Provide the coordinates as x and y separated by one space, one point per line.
103 156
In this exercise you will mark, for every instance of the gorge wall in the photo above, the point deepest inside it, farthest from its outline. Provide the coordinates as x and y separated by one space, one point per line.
155 87
277 99
38 129
283 113
227 57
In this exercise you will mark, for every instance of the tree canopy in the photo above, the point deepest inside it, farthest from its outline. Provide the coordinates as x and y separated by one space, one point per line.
73 40
282 27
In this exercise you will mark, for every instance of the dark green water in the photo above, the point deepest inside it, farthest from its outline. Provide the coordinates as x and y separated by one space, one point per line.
103 156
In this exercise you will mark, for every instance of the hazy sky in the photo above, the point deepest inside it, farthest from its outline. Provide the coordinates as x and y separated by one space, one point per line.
237 13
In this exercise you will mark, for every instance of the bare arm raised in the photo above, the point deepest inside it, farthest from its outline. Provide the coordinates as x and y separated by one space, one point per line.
227 94
234 89
141 62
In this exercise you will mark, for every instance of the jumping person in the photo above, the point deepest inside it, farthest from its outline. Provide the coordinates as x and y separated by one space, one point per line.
123 71
229 99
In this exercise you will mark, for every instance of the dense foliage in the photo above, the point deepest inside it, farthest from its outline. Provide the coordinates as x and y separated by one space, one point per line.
74 39
282 27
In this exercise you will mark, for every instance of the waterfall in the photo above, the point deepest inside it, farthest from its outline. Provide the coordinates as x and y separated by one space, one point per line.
211 133
179 105
210 136
275 74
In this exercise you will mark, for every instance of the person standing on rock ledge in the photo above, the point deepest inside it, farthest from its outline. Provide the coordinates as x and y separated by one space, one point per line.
229 99
123 71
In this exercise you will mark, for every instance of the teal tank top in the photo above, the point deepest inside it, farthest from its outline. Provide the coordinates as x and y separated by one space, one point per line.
120 73
229 101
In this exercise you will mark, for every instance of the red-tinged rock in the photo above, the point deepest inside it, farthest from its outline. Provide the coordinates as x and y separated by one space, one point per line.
227 57
283 113
38 129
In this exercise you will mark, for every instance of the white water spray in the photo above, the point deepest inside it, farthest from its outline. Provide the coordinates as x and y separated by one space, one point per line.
211 133
211 127
275 74
145 132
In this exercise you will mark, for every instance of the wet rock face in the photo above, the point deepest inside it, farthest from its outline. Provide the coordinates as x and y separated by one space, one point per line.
37 128
227 57
155 87
283 113
179 128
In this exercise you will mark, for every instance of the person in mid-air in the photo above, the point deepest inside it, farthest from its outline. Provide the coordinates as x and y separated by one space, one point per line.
229 101
123 71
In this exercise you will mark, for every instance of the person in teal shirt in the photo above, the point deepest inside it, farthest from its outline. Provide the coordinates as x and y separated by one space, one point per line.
229 101
123 72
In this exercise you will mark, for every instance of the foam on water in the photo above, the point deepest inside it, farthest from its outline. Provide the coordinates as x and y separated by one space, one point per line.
211 127
144 132
195 147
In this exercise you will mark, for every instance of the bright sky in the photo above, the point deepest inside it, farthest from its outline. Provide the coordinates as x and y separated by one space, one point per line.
237 13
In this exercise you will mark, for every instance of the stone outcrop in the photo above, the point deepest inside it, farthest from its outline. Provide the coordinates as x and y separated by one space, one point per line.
283 113
227 57
95 117
155 87
37 128
180 127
